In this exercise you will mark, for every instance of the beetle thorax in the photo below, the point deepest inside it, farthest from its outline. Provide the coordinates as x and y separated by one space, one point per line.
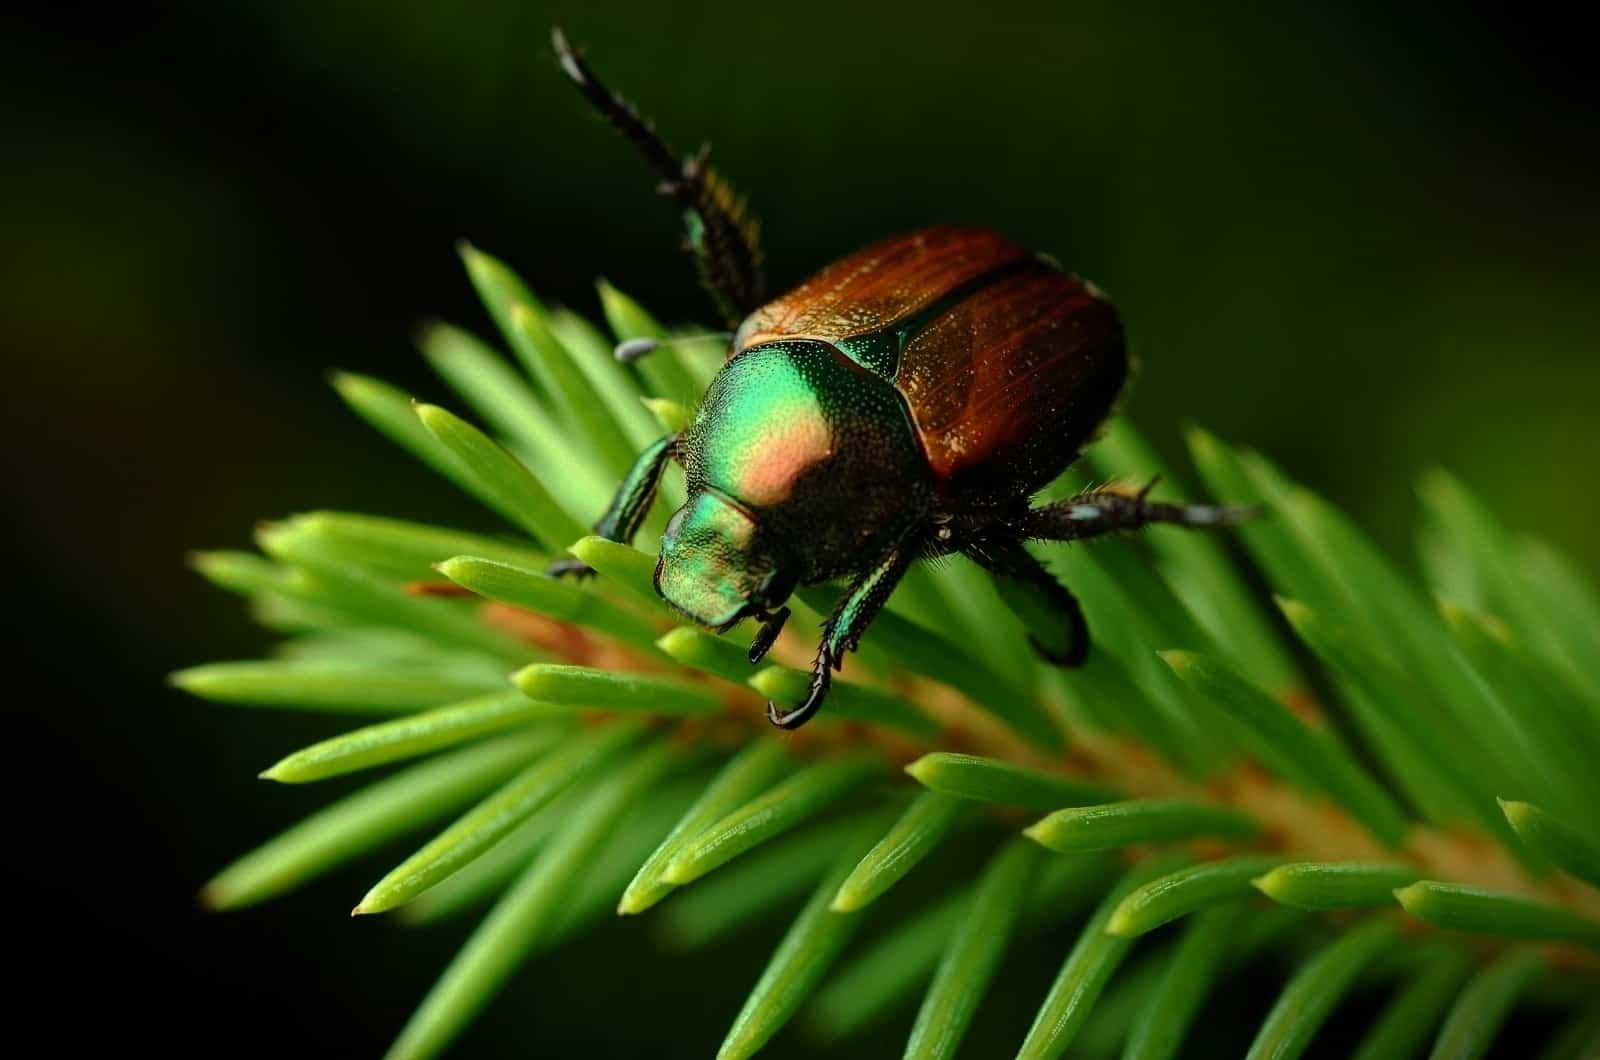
819 451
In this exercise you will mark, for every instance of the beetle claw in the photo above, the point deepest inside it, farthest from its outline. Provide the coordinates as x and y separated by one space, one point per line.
1220 514
576 568
1234 514
793 719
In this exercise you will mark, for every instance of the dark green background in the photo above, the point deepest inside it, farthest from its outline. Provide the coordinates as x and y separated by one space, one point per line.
1361 238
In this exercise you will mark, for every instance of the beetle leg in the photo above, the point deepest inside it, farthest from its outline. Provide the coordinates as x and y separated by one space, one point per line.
1106 511
628 508
850 619
1055 622
722 235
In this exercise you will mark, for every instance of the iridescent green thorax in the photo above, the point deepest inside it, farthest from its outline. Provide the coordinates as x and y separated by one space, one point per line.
819 451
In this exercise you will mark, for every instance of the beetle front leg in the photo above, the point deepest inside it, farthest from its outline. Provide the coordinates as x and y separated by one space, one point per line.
1106 511
628 508
850 619
1056 627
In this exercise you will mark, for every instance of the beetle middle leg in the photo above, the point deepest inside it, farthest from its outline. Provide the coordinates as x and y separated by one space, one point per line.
842 634
628 508
1107 511
1056 626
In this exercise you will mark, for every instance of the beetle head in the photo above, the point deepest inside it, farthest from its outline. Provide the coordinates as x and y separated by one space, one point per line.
717 566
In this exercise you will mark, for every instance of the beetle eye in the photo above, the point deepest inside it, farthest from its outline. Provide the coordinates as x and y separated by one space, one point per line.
675 523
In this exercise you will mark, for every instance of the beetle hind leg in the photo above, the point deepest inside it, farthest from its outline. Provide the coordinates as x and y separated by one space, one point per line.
1056 626
723 236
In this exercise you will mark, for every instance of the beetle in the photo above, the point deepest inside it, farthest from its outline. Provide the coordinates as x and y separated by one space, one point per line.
904 403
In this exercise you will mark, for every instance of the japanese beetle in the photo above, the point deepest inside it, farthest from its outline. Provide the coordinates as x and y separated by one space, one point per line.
904 403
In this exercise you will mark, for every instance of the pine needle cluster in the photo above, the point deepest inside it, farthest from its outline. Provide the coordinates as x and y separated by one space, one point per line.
1360 784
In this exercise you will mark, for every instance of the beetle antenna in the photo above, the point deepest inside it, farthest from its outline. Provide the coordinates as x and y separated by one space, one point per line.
629 350
722 236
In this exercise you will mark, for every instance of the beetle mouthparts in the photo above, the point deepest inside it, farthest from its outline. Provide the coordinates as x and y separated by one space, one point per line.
771 626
